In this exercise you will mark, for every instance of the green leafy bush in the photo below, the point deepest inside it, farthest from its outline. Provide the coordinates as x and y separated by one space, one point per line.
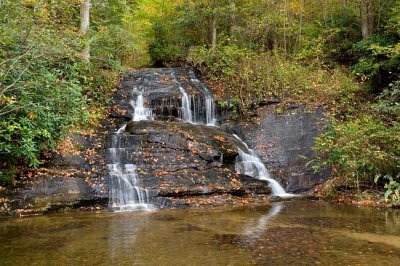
361 150
45 86
41 95
388 104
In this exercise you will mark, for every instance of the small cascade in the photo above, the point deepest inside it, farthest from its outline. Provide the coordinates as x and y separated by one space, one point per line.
209 104
141 113
210 111
121 129
249 164
125 193
197 109
187 114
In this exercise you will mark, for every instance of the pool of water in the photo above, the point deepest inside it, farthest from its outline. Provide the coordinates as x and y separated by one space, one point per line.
285 233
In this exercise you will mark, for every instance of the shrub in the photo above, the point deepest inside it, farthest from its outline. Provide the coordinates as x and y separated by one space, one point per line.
253 77
361 150
45 87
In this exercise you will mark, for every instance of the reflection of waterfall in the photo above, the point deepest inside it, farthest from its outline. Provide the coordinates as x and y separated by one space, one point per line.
249 164
255 230
122 234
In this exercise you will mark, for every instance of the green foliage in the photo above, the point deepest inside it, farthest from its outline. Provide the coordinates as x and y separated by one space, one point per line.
388 104
40 87
361 150
253 77
7 175
392 187
379 62
45 87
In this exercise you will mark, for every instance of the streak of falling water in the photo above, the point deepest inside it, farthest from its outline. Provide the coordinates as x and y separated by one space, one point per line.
191 112
141 113
186 106
208 99
249 164
125 193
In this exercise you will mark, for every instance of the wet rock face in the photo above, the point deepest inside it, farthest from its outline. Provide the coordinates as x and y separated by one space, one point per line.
284 142
182 159
56 189
160 87
73 178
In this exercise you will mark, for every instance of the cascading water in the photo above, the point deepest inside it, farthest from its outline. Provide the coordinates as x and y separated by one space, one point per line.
196 108
249 164
208 99
191 113
187 114
125 193
210 111
141 113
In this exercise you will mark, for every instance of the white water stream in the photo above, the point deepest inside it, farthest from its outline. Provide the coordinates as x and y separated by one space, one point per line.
197 109
249 164
126 193
187 114
141 113
209 104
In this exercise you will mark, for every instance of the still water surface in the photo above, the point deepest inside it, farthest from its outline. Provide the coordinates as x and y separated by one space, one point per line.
286 233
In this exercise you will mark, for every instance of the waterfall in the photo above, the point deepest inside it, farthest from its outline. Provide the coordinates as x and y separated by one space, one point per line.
209 105
187 114
125 194
197 107
249 164
141 113
191 113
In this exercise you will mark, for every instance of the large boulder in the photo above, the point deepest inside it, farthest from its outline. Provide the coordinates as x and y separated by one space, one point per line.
284 143
182 159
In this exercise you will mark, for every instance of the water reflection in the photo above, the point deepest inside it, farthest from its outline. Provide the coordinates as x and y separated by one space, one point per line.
254 230
123 231
288 233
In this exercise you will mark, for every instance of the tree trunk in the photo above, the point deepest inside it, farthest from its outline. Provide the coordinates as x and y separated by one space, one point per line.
284 28
367 18
300 25
85 21
232 18
214 33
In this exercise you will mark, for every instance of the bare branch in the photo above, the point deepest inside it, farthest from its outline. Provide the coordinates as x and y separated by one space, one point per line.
15 61
2 91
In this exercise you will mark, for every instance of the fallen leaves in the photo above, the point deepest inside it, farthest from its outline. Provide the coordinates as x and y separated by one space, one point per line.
219 138
161 173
